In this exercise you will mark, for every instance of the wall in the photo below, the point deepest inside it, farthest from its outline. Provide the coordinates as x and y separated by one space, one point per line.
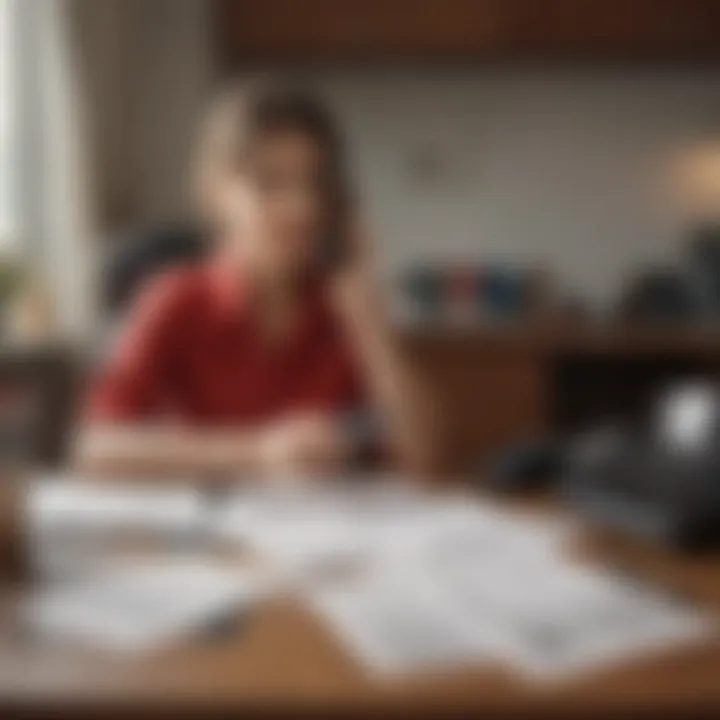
148 73
575 169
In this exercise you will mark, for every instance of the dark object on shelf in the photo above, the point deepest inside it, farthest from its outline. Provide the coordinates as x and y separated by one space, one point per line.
524 466
704 270
659 296
424 289
475 293
506 292
661 484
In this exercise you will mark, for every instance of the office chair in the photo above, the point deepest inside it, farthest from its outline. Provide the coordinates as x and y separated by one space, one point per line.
135 259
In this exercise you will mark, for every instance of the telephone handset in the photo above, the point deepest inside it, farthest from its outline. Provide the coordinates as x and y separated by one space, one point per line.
688 419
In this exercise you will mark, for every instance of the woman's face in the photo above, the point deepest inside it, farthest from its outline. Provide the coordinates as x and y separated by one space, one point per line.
276 206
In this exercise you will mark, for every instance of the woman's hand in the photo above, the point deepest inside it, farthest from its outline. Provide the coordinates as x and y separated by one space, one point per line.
311 443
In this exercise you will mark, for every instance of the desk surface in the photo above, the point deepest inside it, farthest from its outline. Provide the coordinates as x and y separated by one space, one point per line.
281 657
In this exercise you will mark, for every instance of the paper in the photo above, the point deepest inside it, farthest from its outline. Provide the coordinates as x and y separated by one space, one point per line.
433 582
140 606
378 524
543 615
550 616
456 580
76 524
392 626
304 529
77 504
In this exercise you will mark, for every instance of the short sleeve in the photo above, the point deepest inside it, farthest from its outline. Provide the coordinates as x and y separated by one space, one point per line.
134 382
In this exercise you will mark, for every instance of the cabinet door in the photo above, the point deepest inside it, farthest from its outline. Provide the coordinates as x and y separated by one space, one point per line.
487 395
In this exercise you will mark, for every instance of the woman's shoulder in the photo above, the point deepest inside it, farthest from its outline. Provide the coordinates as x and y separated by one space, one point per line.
174 291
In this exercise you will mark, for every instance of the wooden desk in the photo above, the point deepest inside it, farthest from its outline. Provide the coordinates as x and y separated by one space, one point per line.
496 386
282 658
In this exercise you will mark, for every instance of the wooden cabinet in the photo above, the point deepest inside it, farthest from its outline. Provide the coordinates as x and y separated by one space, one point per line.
615 29
495 387
488 393
256 31
330 30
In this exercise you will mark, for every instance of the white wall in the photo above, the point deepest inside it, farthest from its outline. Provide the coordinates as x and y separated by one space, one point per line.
570 168
174 81
577 170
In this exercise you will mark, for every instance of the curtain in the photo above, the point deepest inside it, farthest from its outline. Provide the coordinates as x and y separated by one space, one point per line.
7 124
55 206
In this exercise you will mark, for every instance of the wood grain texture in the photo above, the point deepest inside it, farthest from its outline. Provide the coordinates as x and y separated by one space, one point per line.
439 30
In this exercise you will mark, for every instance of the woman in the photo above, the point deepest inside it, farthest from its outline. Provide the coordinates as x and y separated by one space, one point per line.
252 362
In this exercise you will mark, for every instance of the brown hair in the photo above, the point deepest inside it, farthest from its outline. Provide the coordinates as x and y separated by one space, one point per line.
245 112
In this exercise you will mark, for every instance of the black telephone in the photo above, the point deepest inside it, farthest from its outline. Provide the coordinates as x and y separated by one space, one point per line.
662 483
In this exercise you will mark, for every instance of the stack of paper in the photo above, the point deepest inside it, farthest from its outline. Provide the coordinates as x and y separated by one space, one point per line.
74 523
77 504
139 607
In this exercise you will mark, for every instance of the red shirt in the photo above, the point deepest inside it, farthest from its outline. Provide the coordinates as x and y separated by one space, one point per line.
193 352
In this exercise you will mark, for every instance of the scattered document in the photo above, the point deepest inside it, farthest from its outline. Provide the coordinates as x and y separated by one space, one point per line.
140 606
302 529
551 617
392 626
544 616
428 582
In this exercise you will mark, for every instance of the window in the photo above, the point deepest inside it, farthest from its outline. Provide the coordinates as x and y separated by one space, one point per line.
7 124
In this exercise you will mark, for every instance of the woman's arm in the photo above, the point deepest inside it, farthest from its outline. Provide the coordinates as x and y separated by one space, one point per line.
406 407
114 450
308 443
